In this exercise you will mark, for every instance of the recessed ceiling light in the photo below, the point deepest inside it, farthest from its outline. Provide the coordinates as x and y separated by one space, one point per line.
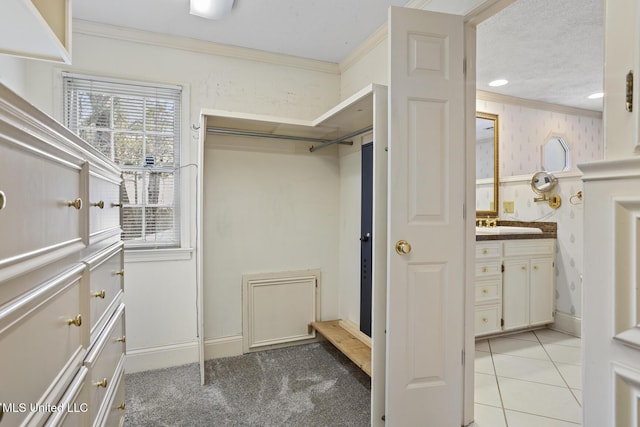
596 95
499 82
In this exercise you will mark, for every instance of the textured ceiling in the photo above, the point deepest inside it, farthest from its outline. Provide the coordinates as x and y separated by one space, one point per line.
549 50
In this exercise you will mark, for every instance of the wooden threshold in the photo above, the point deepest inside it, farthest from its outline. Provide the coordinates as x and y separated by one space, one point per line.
356 350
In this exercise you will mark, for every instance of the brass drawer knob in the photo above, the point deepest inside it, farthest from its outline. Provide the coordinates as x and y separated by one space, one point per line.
119 273
102 383
121 406
100 294
76 321
3 204
485 320
77 203
99 204
485 251
121 339
535 267
485 291
116 205
523 268
485 269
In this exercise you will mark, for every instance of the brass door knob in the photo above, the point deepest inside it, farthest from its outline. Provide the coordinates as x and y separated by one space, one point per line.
3 203
76 321
99 204
100 294
102 383
77 203
403 247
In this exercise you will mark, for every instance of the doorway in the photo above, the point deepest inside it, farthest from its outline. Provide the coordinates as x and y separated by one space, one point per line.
366 246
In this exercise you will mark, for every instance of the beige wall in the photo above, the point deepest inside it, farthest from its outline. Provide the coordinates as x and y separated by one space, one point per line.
12 73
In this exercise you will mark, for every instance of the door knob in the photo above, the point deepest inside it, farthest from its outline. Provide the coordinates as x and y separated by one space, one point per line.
365 238
403 247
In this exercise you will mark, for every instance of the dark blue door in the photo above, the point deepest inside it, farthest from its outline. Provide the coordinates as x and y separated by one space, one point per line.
366 247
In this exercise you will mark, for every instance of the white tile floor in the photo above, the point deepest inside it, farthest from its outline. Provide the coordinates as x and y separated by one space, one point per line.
530 379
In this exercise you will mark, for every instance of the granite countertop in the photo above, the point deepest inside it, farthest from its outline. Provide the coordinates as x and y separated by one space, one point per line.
549 231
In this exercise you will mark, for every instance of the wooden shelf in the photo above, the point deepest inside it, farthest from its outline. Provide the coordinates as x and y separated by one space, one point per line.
352 347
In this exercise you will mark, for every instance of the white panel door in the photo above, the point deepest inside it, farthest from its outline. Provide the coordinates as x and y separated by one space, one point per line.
425 317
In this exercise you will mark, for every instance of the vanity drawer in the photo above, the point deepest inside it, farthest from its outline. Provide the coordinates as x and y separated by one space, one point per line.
104 209
106 284
43 338
103 359
487 319
73 403
115 409
488 268
530 247
488 290
488 250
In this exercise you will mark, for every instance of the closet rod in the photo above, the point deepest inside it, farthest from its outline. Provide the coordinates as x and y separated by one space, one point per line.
341 139
221 131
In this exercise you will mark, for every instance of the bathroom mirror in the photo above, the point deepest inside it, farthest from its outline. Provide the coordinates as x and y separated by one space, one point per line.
487 179
543 182
555 154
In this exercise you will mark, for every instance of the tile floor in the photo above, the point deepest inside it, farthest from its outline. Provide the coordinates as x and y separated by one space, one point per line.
530 379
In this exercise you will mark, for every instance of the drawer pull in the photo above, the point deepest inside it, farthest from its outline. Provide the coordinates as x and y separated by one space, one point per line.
99 204
100 294
77 203
76 321
119 273
116 205
485 251
535 267
3 203
485 269
485 320
523 268
102 383
485 291
121 406
121 339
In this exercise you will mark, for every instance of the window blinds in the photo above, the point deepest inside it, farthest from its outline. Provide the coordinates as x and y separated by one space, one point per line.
138 127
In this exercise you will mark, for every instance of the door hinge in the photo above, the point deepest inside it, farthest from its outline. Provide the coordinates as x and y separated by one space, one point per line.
464 66
463 357
502 268
501 322
464 211
630 91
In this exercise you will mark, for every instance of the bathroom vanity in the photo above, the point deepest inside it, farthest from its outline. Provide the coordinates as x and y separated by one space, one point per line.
514 276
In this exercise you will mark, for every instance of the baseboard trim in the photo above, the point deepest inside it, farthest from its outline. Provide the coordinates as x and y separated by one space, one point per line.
223 347
145 359
568 324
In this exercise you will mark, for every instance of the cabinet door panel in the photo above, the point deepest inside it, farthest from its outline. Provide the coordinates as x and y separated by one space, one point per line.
515 294
541 291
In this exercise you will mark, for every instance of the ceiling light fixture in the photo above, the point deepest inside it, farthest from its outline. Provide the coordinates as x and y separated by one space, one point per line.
596 95
499 82
211 9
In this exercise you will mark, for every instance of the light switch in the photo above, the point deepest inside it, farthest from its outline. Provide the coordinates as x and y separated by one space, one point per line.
508 206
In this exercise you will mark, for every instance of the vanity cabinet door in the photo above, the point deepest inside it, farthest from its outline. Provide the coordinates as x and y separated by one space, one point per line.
515 293
541 291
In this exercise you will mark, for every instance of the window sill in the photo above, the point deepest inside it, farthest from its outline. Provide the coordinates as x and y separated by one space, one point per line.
154 255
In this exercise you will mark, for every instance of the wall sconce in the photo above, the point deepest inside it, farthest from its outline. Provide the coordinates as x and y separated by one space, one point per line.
211 9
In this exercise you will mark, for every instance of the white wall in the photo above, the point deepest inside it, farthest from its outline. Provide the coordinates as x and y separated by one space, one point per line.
368 64
161 319
12 73
269 206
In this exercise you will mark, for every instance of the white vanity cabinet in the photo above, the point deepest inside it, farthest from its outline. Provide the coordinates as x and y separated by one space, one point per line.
526 277
62 337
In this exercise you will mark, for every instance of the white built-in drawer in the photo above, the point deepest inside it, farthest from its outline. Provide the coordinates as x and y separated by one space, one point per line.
487 319
74 405
115 408
488 290
104 205
488 268
488 250
43 339
529 247
103 359
35 218
106 284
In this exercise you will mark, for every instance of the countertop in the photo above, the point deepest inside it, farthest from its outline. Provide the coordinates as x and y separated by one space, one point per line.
549 231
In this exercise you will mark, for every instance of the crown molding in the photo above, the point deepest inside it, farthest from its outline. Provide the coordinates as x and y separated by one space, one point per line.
540 105
418 4
199 46
378 36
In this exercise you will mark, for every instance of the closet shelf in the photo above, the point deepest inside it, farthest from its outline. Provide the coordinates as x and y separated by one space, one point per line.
352 347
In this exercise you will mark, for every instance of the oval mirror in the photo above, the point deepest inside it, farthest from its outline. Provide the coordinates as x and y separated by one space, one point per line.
543 182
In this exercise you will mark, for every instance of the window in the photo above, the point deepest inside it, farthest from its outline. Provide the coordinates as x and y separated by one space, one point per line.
137 126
